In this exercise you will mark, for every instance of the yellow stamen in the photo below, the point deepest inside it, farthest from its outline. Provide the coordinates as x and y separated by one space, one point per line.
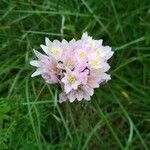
99 52
94 62
68 64
57 51
49 49
82 54
71 79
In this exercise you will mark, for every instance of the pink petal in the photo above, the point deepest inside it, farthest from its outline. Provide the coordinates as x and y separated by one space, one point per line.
68 88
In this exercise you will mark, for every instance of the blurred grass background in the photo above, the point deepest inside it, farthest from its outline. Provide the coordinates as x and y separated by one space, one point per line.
117 117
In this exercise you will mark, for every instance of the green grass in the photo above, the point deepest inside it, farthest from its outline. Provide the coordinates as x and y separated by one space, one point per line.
117 117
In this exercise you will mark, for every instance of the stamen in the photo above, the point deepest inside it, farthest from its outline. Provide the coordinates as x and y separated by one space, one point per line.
71 79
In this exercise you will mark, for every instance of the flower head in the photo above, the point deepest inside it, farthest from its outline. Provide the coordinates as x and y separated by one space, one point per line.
79 66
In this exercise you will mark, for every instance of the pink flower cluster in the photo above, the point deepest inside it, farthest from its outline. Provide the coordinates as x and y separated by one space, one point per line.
79 66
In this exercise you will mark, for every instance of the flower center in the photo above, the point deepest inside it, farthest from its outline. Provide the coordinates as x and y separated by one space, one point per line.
82 54
68 64
49 49
57 51
71 79
94 62
99 52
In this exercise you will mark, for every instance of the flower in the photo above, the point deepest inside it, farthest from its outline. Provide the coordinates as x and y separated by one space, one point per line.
52 48
78 66
73 79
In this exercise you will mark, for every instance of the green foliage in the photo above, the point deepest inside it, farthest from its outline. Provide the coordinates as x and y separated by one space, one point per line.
7 127
117 117
4 109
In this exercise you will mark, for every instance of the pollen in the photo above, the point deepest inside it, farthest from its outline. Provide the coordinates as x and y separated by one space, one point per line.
82 54
94 62
99 53
68 64
49 49
71 79
57 51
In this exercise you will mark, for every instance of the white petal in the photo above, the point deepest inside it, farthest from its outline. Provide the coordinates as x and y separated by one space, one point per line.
87 97
72 41
93 83
108 52
100 41
48 42
84 35
64 80
72 99
88 90
45 48
109 55
79 95
64 42
106 77
38 54
71 96
36 73
75 85
35 63
56 43
68 88
105 67
62 97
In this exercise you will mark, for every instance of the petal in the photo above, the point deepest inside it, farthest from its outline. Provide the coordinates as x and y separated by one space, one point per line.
71 96
48 42
84 35
64 80
35 63
87 97
64 42
105 67
108 52
106 77
62 97
93 82
37 72
81 66
75 85
38 54
68 88
45 48
88 90
79 95
56 43
100 42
